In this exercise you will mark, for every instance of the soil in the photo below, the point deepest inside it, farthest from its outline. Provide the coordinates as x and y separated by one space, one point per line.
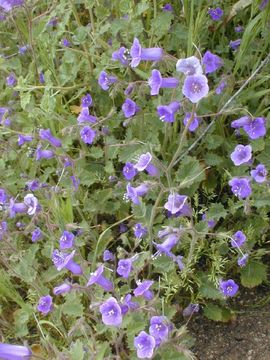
245 338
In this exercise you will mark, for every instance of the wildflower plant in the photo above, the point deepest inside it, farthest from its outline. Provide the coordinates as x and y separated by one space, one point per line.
134 189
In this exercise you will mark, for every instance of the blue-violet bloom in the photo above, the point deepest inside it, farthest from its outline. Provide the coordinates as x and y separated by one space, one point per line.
238 239
14 352
228 288
105 80
189 66
124 267
45 134
129 171
98 278
45 304
130 108
167 112
241 154
84 115
211 62
195 87
62 289
111 312
259 174
145 345
138 53
143 289
62 260
140 231
216 14
87 134
66 240
156 82
36 235
195 122
240 187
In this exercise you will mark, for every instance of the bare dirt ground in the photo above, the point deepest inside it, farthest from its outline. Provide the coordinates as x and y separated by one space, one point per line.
245 338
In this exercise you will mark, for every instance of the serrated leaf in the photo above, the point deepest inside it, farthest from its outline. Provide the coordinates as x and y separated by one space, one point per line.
161 24
76 350
216 211
208 290
190 172
213 159
253 274
73 306
216 313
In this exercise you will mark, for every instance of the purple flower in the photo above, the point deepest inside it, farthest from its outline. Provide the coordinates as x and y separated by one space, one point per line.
3 196
130 108
210 223
123 228
129 89
143 290
52 22
127 304
156 82
175 202
129 171
14 352
195 87
111 312
144 163
122 55
239 28
65 42
75 182
167 112
105 80
66 240
41 77
234 44
133 193
87 134
221 86
216 14
191 309
194 124
170 241
36 235
62 260
86 101
228 288
189 66
259 174
240 187
145 345
167 7
124 267
32 204
45 134
44 154
242 261
241 154
62 289
4 112
255 128
3 229
138 53
238 239
211 62
32 185
159 329
84 116
98 278
140 231
11 80
263 4
108 256
45 304
22 49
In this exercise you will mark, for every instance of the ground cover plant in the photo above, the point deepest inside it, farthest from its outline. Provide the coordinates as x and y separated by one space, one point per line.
134 186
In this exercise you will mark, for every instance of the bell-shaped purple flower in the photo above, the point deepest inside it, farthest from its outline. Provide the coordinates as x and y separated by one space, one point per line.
45 134
238 239
24 138
159 329
87 134
240 187
241 154
108 256
242 261
234 44
175 203
145 345
62 260
14 352
98 278
149 54
259 174
255 128
194 124
111 312
36 235
128 304
3 196
167 112
191 309
122 55
221 86
62 289
84 116
130 108
32 185
195 87
124 267
140 231
44 154
11 80
189 66
41 78
66 240
228 287
45 304
133 193
170 241
167 7
215 13
86 101
143 290
156 82
29 206
144 163
105 80
129 171
211 62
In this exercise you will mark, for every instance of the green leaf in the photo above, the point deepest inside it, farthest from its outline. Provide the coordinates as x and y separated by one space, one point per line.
253 274
190 172
208 290
73 306
76 350
161 24
25 98
216 313
216 211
